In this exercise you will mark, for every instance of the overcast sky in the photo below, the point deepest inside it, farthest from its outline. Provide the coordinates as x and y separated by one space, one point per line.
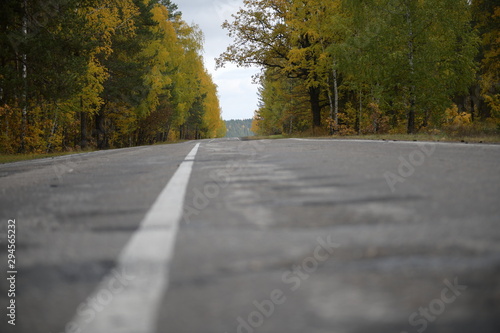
238 96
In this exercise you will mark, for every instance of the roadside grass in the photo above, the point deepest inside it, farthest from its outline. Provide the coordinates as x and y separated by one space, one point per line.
169 142
425 137
443 137
268 137
10 158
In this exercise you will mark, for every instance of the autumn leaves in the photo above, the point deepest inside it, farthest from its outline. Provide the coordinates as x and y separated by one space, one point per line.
365 66
109 73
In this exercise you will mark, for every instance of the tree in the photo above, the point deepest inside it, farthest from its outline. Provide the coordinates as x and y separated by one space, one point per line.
315 26
109 73
487 21
284 105
239 128
423 52
267 34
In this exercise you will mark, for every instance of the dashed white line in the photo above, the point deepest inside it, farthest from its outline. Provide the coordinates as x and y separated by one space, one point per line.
145 263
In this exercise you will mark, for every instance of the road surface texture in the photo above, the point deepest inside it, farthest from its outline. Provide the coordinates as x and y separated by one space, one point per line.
292 236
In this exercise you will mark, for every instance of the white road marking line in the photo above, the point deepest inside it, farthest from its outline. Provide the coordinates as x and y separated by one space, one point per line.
145 262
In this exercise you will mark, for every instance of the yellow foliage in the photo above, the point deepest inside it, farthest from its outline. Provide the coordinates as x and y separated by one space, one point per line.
256 124
173 135
490 75
10 128
345 130
164 83
94 80
458 123
456 119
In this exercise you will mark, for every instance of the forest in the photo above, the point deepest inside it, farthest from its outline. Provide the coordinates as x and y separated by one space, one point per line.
97 74
239 128
350 67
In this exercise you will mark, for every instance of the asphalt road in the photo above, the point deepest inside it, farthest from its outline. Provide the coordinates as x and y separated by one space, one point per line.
313 236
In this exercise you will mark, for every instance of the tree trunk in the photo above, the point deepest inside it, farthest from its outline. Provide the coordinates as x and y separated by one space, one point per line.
24 66
52 133
167 133
332 108
334 103
411 62
336 93
314 95
83 126
102 138
411 113
358 118
475 109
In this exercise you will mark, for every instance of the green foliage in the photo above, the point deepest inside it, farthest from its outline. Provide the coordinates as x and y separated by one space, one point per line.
239 128
109 73
486 16
372 66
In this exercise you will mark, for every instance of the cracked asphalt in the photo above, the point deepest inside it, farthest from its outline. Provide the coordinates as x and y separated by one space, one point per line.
288 236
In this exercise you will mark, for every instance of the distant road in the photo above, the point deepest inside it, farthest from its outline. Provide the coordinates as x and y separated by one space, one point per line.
294 236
